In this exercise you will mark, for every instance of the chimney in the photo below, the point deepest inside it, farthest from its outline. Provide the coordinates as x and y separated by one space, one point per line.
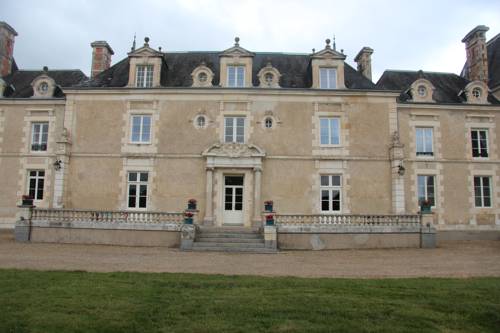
477 55
7 36
364 61
101 57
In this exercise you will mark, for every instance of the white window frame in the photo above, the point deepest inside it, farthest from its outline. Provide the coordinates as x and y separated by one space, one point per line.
478 130
137 183
39 140
237 76
37 179
326 82
426 188
428 148
481 189
330 143
141 129
330 188
234 136
144 76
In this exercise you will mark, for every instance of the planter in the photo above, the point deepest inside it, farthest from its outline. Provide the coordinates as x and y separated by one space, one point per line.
191 206
270 222
425 209
188 220
268 207
27 202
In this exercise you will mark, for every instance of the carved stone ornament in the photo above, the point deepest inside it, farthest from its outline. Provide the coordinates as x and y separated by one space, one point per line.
234 150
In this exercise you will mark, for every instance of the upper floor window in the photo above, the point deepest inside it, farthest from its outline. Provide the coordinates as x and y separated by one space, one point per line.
426 185
329 131
235 76
137 190
479 140
141 129
482 191
39 136
35 184
234 129
144 76
328 78
331 188
424 141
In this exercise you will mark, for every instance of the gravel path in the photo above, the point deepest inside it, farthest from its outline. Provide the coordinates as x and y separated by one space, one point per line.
451 259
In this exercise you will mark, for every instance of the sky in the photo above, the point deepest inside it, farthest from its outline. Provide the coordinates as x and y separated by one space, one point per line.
405 35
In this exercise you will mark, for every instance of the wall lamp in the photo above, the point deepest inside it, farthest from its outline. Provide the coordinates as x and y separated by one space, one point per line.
401 169
58 165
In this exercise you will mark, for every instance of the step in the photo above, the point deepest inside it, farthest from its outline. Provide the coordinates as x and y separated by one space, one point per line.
234 249
226 245
228 240
229 235
239 230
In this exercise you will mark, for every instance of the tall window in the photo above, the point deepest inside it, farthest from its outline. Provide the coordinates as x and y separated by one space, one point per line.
144 76
234 129
137 189
424 141
482 191
141 129
479 140
39 136
329 131
235 76
328 78
331 188
35 184
426 189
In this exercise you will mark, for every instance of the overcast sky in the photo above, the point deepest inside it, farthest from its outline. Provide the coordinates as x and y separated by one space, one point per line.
405 35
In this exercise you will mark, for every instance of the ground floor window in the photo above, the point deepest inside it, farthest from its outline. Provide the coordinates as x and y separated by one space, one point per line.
482 191
426 189
137 189
331 188
36 183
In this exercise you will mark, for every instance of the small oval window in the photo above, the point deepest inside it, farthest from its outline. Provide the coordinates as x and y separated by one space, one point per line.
202 77
476 92
269 78
43 87
200 121
422 91
268 122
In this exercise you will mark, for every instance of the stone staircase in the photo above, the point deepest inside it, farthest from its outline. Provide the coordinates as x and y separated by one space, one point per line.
230 239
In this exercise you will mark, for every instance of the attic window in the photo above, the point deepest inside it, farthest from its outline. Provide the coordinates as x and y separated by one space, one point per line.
328 78
202 77
235 76
476 92
269 78
144 76
422 91
43 87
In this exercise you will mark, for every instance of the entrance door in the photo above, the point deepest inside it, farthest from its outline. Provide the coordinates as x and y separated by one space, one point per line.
233 200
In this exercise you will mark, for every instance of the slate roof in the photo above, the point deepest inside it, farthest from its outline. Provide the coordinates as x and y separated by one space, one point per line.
177 67
493 48
19 82
447 85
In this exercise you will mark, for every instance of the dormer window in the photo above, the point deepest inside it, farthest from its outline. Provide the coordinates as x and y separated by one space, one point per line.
269 77
144 76
421 90
235 76
327 78
476 92
43 85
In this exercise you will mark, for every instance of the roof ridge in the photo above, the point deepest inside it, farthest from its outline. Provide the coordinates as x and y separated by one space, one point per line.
412 71
50 70
492 40
258 52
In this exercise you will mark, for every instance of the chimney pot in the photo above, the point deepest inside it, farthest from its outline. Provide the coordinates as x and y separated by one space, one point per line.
101 57
477 55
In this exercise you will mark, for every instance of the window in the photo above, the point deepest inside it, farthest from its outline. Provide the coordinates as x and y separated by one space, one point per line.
234 129
144 76
331 186
424 141
236 76
202 77
476 92
35 184
269 77
141 129
329 131
200 121
137 189
482 191
479 140
426 186
422 91
43 87
268 122
328 78
39 136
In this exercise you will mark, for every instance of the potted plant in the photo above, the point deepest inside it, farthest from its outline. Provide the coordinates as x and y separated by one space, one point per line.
425 206
268 206
27 200
188 218
192 204
270 219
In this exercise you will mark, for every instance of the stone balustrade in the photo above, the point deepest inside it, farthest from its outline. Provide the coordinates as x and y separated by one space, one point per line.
347 220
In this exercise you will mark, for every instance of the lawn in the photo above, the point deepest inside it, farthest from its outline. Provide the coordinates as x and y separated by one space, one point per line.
33 301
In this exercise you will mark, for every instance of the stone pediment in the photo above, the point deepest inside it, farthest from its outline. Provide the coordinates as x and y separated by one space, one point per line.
236 51
328 53
234 150
145 51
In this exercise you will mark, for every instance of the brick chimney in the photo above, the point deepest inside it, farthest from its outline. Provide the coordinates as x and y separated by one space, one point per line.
101 57
477 55
364 61
7 36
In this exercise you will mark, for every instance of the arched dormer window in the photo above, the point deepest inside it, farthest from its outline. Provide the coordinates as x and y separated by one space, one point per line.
202 76
145 67
476 92
43 86
422 91
269 77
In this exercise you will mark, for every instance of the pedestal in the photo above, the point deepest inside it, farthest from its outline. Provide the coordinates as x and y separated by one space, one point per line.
188 234
427 231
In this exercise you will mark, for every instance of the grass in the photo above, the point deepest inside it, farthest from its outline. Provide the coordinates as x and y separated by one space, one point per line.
33 301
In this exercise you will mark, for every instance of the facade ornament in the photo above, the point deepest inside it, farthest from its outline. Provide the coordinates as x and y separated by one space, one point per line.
234 150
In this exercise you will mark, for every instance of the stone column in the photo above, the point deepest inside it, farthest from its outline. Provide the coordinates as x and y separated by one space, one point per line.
257 178
397 174
61 169
209 214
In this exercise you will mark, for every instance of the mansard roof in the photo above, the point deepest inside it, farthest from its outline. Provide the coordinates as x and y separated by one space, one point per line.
448 85
19 81
493 49
178 66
